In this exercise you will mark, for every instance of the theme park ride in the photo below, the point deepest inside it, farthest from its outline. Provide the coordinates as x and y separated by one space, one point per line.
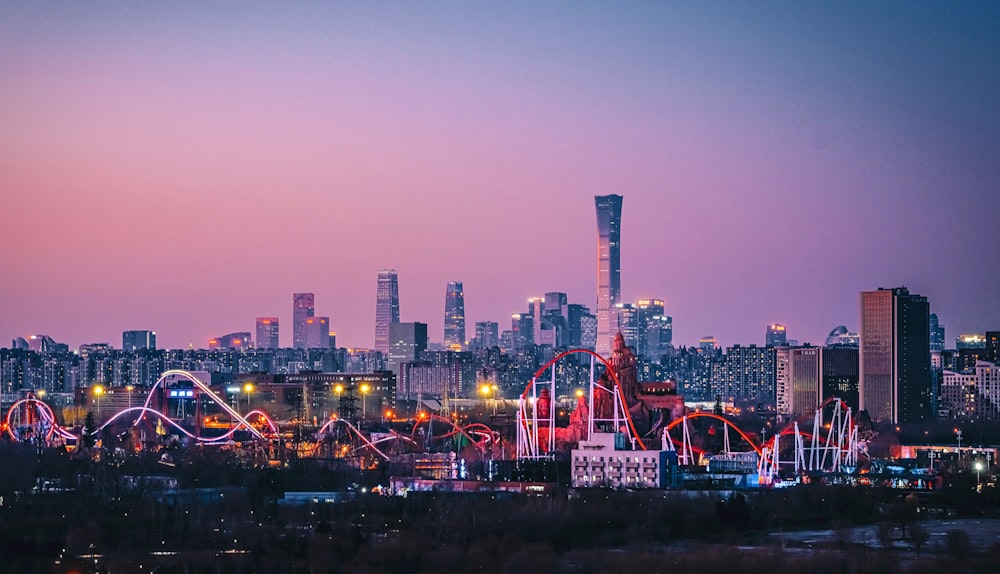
651 416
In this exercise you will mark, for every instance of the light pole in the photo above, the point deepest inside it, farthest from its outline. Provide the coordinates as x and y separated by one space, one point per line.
338 390
364 388
248 388
98 391
129 388
979 469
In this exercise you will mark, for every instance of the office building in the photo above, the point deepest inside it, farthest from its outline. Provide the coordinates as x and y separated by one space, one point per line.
970 341
896 383
522 330
628 325
267 333
303 308
659 336
316 333
406 343
841 337
646 310
135 340
936 333
581 327
386 307
454 316
840 375
238 341
487 335
775 336
609 216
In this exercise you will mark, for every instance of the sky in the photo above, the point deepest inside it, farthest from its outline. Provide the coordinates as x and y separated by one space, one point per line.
185 167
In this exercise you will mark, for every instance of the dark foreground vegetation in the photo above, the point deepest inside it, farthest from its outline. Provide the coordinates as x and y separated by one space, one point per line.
231 522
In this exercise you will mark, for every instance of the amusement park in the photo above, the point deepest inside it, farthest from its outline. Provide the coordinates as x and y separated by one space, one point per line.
616 433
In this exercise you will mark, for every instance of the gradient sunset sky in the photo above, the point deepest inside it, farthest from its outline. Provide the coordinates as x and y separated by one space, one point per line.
186 166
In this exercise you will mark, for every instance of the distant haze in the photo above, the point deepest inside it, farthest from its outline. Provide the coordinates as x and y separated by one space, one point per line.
186 167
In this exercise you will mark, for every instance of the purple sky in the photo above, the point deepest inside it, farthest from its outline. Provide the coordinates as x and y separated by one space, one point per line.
186 167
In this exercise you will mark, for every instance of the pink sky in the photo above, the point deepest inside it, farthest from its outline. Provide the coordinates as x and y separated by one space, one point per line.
188 170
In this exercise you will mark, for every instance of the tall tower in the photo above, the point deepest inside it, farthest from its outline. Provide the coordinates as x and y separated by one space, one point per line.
895 372
303 308
454 316
609 284
386 307
267 333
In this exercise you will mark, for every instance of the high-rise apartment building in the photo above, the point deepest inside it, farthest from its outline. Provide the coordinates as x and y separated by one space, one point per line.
454 316
895 383
135 340
267 333
609 287
775 336
303 307
386 307
992 346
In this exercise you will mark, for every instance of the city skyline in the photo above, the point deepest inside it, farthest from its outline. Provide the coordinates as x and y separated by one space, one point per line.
776 161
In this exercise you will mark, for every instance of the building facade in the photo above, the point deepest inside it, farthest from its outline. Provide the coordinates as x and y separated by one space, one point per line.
386 307
267 333
609 216
135 340
303 308
454 316
895 383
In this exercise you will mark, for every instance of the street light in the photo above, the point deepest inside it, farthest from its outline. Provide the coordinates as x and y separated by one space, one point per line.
98 391
248 388
129 388
488 389
364 388
979 468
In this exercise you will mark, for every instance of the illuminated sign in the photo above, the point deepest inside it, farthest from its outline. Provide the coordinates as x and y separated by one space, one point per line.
181 393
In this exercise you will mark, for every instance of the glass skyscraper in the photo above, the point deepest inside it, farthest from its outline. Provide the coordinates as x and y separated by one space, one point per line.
267 333
386 307
303 308
895 381
454 317
609 287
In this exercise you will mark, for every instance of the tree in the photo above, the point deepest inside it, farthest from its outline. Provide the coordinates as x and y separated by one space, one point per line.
89 430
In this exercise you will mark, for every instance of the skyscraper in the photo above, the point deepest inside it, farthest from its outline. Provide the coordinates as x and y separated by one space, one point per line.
454 316
386 307
317 333
647 310
135 340
303 307
937 333
776 336
628 324
895 369
609 217
487 334
406 343
267 333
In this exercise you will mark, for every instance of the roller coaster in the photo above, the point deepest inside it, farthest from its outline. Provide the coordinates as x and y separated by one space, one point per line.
609 405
